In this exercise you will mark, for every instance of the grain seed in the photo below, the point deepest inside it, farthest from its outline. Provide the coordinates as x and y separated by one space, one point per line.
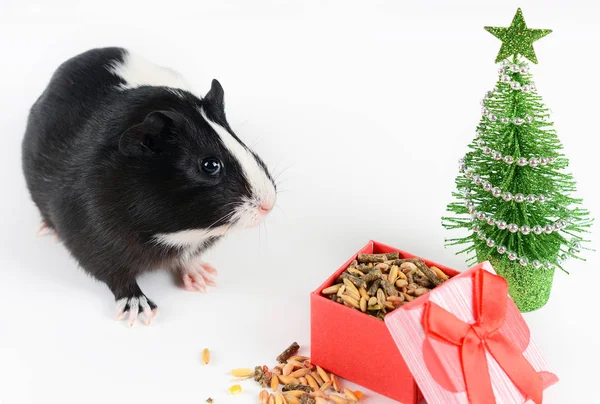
205 356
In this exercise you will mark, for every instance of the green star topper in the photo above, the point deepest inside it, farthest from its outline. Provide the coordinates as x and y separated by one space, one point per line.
517 39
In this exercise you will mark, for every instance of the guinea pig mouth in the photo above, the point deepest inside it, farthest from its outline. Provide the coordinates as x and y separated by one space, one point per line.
249 214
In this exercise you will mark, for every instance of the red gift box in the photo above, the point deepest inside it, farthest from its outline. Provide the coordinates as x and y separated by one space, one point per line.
465 341
359 347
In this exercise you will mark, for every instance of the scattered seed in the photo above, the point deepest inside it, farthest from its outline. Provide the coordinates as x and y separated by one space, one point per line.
358 394
318 393
336 383
318 378
263 397
337 399
243 372
304 383
323 374
274 383
312 382
288 368
291 399
288 380
294 393
235 389
350 396
205 356
326 386
209 400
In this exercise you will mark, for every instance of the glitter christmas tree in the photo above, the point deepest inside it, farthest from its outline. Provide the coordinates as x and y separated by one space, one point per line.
513 194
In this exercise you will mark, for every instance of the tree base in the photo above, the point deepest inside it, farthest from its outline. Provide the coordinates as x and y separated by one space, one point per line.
528 287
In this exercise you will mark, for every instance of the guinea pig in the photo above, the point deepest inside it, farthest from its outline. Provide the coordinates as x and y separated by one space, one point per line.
133 172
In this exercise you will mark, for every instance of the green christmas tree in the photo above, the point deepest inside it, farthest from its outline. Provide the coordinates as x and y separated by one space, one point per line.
513 194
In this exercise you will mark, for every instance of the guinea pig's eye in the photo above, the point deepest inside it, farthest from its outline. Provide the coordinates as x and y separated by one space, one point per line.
211 166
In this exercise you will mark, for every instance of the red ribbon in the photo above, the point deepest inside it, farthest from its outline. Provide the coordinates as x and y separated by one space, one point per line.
490 295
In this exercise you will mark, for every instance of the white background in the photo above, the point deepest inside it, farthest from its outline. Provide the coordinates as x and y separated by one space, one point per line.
365 108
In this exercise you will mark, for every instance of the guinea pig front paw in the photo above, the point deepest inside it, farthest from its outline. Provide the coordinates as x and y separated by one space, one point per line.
134 305
197 276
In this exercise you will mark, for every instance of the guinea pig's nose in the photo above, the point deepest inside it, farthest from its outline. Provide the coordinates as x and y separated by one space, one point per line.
265 207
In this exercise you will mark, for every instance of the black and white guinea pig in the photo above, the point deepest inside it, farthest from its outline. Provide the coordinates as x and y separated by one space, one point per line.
132 172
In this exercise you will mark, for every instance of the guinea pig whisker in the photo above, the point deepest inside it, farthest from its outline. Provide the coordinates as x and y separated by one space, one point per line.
282 171
222 219
281 209
266 232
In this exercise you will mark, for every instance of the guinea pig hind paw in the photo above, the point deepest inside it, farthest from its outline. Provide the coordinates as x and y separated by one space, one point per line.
46 230
134 305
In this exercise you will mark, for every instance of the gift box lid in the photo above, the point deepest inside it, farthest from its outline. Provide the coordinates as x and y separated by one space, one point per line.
466 342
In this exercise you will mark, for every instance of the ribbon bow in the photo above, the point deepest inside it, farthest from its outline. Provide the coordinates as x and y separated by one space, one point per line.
490 294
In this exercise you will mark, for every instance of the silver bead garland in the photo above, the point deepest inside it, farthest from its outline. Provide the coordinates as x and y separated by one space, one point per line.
507 196
515 85
514 256
522 161
514 228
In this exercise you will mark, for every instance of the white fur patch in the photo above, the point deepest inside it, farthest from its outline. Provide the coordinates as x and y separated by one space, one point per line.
137 71
263 191
189 238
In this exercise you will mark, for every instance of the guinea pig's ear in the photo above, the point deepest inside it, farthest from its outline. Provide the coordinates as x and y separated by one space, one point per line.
147 138
216 95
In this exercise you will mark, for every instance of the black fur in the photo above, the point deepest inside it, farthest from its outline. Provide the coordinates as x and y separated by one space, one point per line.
110 168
